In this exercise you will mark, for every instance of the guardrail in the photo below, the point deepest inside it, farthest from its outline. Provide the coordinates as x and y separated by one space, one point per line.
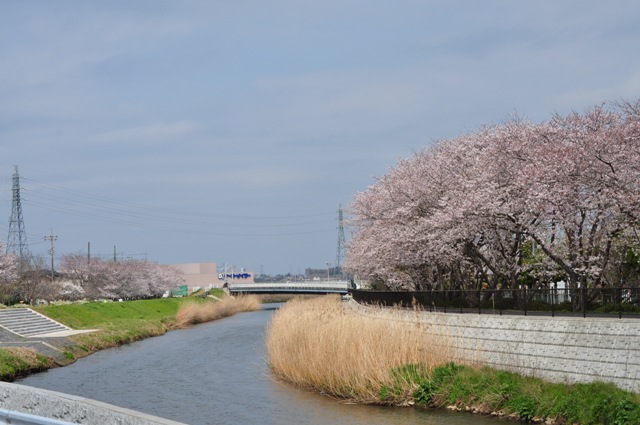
601 302
26 405
313 287
19 418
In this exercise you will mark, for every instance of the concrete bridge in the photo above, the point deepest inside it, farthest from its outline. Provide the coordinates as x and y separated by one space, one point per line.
310 287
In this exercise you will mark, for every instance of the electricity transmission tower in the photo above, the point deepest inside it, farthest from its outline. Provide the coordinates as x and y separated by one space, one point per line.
17 239
341 242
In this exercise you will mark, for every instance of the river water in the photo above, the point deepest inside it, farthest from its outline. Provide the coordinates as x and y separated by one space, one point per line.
216 373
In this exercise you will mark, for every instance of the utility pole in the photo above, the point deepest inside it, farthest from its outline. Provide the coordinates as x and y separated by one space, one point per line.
341 242
51 238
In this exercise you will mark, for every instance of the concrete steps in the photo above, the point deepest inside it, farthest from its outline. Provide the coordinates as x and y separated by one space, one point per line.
28 323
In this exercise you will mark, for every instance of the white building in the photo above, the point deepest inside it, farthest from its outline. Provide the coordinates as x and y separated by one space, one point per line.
207 275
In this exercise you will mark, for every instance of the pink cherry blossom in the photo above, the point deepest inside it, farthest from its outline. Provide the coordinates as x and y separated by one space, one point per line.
555 200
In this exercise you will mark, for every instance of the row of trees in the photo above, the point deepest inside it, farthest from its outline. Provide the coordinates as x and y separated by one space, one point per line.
509 205
28 279
128 279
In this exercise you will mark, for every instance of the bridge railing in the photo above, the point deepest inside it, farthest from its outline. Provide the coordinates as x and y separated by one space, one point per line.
20 418
620 302
291 287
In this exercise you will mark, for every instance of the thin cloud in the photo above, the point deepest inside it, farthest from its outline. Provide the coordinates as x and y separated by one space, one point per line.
147 135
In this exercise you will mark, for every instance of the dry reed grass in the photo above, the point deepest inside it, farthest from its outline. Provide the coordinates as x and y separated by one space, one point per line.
321 345
191 313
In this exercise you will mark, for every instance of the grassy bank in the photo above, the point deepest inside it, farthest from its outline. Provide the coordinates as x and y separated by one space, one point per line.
488 391
193 312
115 324
17 362
319 345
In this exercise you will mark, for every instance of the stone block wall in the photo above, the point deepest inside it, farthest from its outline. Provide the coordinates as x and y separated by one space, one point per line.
556 349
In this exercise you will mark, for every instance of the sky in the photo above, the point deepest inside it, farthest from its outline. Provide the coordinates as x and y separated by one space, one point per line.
234 131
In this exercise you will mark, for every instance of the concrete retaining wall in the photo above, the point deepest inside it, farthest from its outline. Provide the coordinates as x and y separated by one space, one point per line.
557 349
69 408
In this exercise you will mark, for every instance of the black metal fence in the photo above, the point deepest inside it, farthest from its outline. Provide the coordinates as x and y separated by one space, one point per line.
593 302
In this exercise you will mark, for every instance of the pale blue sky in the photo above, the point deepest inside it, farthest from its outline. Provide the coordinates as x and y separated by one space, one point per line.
231 131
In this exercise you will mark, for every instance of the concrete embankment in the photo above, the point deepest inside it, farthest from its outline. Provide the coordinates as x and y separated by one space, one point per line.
557 349
69 408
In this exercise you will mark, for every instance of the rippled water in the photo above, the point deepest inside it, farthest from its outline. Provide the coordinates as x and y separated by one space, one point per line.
216 373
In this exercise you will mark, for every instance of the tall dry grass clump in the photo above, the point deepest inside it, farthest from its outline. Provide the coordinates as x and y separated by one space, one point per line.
193 312
322 345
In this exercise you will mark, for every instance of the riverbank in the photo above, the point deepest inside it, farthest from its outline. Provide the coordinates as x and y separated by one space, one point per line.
115 324
320 345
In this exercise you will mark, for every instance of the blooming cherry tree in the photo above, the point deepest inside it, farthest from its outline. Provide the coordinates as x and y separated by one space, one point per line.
7 265
508 205
129 279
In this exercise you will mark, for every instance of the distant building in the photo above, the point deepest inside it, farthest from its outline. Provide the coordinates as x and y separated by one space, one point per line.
207 275
315 274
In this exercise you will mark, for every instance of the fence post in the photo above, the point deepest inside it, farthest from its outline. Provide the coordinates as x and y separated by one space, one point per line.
583 292
445 300
619 291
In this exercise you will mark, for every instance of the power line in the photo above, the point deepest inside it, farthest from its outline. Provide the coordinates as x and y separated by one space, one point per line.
112 201
100 208
147 223
95 210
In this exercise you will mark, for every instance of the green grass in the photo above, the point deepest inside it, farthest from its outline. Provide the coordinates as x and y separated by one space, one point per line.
104 315
485 390
217 293
17 362
117 323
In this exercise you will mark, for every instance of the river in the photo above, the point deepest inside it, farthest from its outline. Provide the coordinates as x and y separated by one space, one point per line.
216 373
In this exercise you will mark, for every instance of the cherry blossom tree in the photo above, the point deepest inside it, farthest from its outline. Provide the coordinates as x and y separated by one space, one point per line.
509 205
7 265
129 279
75 267
585 188
389 242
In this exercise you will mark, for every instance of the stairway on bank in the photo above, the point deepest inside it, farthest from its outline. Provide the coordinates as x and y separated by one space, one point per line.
28 323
